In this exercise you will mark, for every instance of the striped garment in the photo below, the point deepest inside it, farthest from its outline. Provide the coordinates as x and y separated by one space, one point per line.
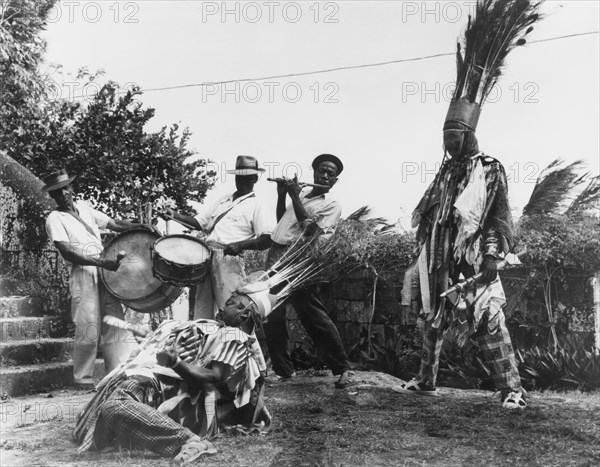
191 407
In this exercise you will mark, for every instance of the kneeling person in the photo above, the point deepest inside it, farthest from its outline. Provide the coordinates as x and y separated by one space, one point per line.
182 385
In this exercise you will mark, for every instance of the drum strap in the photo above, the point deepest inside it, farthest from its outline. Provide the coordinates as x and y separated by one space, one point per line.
224 213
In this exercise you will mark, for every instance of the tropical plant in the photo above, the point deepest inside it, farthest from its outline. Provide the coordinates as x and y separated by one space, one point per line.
572 365
553 192
553 232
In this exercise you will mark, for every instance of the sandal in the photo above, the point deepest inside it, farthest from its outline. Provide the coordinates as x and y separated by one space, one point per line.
514 400
193 449
416 387
343 381
282 379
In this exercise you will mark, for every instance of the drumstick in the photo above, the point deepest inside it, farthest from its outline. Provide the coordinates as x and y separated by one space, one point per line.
121 324
185 224
116 322
313 185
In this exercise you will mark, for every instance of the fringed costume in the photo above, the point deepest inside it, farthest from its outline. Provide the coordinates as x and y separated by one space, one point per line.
463 216
464 220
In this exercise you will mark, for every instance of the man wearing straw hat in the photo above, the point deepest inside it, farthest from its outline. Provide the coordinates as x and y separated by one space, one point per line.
237 222
74 227
312 211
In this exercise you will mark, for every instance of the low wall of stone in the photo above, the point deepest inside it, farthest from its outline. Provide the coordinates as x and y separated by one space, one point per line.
351 306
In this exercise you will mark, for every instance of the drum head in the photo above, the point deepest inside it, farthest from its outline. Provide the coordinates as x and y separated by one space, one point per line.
134 279
182 249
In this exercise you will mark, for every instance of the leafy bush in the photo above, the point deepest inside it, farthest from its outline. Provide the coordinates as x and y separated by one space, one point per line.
464 367
560 241
572 366
371 243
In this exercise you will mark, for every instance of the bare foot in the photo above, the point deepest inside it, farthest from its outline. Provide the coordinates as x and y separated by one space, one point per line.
342 381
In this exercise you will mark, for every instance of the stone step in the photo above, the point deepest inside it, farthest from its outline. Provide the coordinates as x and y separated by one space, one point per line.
15 306
43 377
34 327
27 352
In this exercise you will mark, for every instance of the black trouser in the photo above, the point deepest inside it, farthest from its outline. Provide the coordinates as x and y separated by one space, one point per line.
311 311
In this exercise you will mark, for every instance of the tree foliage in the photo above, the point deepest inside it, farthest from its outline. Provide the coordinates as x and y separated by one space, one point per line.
120 166
553 245
560 241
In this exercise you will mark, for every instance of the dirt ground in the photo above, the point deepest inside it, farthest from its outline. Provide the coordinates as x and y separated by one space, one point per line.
364 424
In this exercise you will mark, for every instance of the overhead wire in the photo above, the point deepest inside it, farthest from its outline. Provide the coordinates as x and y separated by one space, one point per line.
331 70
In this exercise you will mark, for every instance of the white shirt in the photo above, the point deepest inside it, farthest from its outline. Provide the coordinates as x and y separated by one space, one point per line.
247 219
63 227
325 209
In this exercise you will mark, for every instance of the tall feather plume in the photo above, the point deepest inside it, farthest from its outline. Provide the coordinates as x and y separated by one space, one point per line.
498 27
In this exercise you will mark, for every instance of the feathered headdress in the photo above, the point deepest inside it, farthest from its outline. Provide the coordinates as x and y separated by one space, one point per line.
305 262
309 261
497 28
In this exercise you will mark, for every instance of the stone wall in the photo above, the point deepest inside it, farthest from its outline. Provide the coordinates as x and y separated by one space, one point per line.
350 305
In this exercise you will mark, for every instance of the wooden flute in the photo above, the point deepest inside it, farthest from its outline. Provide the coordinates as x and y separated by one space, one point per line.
314 185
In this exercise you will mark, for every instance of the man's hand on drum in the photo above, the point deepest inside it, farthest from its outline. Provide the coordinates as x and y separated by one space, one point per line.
110 264
167 213
233 249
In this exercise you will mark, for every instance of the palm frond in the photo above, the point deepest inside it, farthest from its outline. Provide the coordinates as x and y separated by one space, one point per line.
554 188
360 213
588 201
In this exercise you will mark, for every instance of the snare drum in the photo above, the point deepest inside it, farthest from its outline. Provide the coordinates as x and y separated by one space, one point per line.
134 284
180 260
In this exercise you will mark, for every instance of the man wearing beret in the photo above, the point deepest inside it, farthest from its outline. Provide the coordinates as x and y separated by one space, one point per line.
312 211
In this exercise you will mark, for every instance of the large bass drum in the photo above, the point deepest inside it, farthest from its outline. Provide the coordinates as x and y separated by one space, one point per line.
134 284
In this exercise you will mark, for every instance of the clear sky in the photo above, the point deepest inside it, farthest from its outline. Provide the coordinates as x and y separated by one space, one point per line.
384 122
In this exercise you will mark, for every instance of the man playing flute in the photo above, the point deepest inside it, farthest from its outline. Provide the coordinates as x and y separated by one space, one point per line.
312 211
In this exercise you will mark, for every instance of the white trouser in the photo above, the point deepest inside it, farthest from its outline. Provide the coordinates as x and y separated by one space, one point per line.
225 276
89 297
